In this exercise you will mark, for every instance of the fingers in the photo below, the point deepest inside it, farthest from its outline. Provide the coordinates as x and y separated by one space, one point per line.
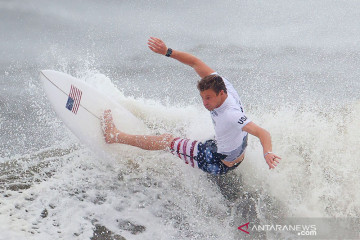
156 40
157 45
272 160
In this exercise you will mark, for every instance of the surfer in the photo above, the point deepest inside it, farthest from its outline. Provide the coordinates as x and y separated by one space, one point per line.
231 124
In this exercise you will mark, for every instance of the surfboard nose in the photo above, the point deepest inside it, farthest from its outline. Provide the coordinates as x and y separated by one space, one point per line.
45 72
53 76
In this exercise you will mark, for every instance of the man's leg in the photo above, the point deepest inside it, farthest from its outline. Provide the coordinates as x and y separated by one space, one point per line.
147 142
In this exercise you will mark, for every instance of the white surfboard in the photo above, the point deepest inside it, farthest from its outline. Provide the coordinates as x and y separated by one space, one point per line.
80 106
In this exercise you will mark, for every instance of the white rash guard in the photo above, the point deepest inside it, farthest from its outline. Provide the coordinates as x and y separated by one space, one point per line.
228 120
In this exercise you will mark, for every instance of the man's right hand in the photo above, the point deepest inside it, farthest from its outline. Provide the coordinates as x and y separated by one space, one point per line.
157 45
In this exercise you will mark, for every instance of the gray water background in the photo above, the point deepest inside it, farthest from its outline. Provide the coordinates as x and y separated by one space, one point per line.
299 56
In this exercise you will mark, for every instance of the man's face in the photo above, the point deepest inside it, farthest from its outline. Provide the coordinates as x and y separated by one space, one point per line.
211 100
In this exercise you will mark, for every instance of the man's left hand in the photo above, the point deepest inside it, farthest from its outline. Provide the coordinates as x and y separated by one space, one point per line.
272 160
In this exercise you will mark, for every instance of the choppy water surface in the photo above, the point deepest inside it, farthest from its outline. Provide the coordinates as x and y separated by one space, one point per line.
295 65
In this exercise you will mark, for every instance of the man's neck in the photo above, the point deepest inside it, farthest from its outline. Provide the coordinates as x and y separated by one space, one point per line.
223 99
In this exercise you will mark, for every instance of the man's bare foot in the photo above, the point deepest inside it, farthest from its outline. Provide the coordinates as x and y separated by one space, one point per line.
109 129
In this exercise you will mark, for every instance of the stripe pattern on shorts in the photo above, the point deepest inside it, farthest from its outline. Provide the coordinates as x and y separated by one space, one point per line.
185 149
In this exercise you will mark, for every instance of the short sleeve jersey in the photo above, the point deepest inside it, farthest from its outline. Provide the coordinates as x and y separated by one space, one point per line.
229 120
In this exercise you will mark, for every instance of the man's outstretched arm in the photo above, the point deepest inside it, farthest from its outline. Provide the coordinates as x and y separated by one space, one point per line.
271 159
158 46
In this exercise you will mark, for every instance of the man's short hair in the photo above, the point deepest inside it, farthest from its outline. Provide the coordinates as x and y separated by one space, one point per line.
214 82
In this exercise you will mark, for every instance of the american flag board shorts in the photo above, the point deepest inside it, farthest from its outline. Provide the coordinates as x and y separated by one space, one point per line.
201 155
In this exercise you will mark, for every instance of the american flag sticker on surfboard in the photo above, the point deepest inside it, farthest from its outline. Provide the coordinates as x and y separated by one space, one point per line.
74 99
